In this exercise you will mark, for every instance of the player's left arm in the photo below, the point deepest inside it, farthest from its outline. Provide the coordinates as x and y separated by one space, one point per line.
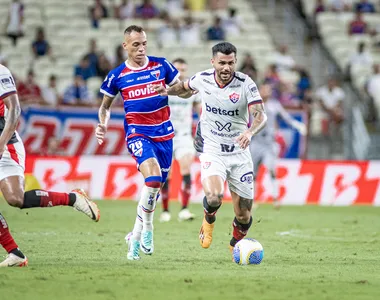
256 110
299 126
104 115
13 106
182 92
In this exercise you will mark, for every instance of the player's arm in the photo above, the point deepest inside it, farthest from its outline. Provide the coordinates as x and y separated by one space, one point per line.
180 89
104 116
259 119
13 105
299 126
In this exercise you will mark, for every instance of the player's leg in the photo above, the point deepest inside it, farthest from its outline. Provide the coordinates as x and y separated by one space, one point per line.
13 192
270 160
165 215
12 186
213 174
241 185
185 162
15 257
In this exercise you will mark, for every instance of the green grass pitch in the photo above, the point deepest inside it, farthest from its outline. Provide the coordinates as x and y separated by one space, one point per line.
310 253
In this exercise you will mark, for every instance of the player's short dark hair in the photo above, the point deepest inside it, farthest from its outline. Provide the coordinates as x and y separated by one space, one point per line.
179 60
224 48
132 28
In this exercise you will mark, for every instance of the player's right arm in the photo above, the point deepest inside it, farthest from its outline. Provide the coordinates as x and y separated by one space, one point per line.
109 90
104 116
183 89
8 94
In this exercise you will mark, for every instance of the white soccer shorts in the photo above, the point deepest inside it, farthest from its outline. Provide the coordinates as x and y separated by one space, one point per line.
12 162
237 169
264 153
182 146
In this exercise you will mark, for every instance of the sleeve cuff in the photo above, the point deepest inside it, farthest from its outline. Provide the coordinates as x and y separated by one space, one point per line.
106 93
174 80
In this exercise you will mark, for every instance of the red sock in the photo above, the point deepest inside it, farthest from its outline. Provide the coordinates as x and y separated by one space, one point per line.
238 233
165 196
186 190
41 198
6 239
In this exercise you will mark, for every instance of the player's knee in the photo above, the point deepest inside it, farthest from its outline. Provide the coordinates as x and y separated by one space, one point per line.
243 217
153 182
214 199
15 201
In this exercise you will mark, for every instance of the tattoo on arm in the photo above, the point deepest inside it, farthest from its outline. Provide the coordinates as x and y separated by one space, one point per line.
178 89
245 204
104 110
259 118
13 105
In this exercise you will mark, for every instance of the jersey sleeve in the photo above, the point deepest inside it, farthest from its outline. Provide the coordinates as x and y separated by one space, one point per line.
7 84
194 82
109 86
171 73
252 92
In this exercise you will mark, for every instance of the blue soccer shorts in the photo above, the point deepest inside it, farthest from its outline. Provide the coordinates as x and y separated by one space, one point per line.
142 148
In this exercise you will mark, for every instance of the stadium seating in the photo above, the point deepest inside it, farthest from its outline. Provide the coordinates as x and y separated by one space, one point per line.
68 30
333 28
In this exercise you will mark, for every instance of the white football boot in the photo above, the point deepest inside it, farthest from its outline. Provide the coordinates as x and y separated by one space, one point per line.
147 242
185 215
14 261
165 217
133 247
85 205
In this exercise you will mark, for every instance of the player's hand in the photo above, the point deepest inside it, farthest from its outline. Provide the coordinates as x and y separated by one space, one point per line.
100 132
244 139
301 128
160 89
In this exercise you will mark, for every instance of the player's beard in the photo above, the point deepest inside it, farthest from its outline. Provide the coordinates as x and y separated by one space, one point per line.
225 77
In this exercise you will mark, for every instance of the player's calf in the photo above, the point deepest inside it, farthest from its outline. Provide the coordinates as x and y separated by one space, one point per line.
240 225
211 204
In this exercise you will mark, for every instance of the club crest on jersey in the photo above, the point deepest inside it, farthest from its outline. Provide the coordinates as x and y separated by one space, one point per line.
234 97
206 165
156 74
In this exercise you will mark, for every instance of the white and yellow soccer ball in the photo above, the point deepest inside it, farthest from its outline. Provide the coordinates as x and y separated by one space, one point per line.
248 252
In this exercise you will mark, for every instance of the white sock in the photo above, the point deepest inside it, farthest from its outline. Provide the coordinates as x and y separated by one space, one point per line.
148 204
136 233
275 188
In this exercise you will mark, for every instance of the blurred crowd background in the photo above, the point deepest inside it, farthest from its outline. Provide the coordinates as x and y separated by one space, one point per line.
320 56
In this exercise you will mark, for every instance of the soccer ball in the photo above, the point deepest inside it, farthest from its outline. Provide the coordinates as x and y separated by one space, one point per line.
248 252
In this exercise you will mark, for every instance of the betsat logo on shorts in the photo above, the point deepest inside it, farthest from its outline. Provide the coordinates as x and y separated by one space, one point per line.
222 112
234 97
247 177
206 165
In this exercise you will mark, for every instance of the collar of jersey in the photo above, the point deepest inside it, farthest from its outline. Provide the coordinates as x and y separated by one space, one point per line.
222 87
140 68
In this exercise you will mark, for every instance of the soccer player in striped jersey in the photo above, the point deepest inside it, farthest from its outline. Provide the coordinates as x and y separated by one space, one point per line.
148 129
12 167
264 148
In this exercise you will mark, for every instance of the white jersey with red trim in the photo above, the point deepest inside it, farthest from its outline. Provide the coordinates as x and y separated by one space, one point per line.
7 88
225 113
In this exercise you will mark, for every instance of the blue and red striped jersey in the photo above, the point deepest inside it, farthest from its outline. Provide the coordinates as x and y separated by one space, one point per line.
146 112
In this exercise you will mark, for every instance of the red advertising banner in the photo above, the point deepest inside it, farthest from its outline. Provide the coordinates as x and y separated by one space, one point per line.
299 181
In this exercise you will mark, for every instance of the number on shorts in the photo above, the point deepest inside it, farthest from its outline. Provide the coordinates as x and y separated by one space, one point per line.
135 146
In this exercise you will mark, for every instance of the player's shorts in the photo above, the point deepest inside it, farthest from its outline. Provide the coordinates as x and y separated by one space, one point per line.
264 153
143 148
237 169
12 162
182 146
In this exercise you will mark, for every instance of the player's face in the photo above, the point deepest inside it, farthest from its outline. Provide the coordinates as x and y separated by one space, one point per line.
182 69
224 66
135 44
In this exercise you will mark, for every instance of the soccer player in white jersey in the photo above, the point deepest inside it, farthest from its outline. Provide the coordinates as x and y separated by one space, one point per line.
181 115
12 167
228 98
264 148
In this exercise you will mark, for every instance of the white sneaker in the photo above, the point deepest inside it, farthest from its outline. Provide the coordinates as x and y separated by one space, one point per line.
165 217
85 205
14 261
133 248
185 215
147 242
